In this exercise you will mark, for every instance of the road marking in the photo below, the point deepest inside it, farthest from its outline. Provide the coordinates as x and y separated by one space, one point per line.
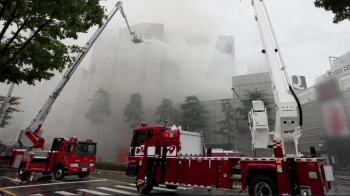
64 193
10 178
15 187
125 187
8 192
163 189
112 180
36 194
92 192
117 191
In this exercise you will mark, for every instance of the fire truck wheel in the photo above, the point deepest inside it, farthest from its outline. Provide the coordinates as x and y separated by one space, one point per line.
263 185
171 186
21 170
147 186
59 173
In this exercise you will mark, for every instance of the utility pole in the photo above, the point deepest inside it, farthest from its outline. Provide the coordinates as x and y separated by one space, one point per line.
234 122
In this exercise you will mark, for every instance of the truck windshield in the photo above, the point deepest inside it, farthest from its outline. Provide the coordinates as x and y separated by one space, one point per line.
85 149
139 137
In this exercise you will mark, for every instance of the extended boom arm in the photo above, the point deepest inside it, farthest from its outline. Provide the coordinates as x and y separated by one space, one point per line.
288 123
31 137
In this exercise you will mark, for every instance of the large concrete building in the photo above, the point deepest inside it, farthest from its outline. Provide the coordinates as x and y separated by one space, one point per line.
259 81
121 67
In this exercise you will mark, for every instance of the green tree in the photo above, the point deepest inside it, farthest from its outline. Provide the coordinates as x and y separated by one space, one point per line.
134 110
34 57
192 113
166 110
247 104
340 8
13 107
229 121
99 107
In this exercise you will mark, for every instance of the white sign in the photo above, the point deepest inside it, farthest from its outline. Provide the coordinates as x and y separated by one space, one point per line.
328 173
299 82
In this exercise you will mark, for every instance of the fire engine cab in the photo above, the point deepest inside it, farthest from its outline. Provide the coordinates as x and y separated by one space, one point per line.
174 157
66 157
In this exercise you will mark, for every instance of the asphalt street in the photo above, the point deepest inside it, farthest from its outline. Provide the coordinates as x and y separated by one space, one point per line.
113 183
104 183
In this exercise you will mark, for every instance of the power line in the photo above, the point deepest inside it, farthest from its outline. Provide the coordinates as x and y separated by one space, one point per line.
311 38
224 15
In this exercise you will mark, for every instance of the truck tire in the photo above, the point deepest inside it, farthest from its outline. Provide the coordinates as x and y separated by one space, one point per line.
171 186
59 173
263 185
148 186
21 170
83 175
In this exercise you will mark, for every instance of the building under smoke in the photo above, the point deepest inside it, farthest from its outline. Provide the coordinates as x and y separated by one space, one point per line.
152 68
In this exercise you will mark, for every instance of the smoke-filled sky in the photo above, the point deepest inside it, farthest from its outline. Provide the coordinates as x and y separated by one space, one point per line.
305 34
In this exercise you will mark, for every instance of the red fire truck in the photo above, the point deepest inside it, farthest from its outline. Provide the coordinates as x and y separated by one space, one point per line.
168 155
123 156
67 156
177 158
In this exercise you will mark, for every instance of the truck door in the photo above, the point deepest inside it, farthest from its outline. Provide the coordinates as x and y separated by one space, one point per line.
64 151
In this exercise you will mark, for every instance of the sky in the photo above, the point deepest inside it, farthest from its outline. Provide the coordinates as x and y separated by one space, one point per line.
306 34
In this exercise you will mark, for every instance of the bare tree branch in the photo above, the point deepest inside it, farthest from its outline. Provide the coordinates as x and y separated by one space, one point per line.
25 44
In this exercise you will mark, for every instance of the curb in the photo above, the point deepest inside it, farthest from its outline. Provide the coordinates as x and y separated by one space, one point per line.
342 173
113 171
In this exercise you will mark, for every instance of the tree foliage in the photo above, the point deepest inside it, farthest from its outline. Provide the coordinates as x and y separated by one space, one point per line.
166 110
247 104
227 124
34 57
13 107
340 8
134 110
99 107
192 114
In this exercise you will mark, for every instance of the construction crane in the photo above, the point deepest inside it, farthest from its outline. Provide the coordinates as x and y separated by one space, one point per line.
31 136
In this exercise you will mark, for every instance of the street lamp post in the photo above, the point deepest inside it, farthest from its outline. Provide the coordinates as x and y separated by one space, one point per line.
234 122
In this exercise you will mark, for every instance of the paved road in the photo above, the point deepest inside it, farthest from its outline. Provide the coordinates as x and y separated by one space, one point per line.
45 185
108 183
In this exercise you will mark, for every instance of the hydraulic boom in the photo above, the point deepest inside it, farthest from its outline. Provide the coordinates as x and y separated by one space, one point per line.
31 137
288 120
